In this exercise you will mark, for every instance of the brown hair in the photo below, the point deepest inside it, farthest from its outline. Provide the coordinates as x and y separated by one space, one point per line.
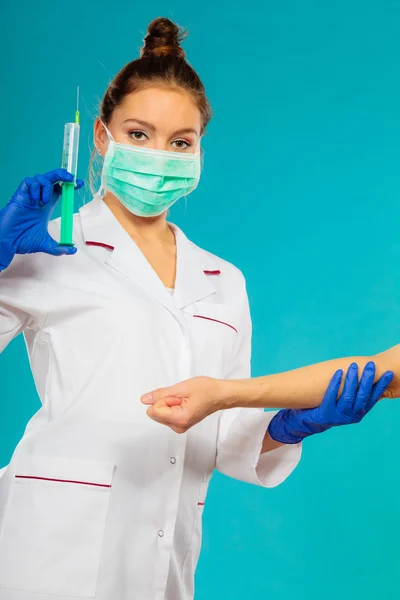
162 62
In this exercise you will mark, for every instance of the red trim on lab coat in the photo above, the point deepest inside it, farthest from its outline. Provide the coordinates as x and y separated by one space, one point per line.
101 244
215 321
62 480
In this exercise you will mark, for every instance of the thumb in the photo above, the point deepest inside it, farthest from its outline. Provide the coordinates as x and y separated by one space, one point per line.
79 184
172 396
53 248
332 391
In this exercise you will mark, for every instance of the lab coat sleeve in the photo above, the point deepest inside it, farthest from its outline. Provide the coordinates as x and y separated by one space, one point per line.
242 430
15 300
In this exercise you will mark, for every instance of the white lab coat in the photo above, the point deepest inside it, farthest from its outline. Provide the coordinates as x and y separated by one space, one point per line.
99 501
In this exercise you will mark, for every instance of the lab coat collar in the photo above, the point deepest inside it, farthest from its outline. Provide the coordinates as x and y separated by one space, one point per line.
192 282
101 228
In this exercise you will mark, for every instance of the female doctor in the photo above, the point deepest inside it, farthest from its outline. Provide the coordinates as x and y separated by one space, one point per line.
99 501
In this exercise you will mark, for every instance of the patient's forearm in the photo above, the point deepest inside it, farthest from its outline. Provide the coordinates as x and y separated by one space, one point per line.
305 387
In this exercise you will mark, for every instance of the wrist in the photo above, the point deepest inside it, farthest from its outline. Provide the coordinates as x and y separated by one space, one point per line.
222 394
243 393
6 256
282 429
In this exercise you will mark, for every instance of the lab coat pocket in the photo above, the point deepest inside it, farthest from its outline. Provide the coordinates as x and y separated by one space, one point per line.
52 533
215 330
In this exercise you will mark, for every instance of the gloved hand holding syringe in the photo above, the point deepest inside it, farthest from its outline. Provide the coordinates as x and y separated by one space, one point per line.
24 219
70 164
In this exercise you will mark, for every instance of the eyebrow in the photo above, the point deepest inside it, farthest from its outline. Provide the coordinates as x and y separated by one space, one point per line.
152 128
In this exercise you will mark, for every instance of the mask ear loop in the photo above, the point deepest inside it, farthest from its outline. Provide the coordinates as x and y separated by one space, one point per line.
110 139
201 151
109 134
200 155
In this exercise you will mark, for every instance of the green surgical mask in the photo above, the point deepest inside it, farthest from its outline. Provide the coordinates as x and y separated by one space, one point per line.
148 182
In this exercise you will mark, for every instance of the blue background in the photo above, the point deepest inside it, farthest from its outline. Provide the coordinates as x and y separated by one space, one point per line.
301 190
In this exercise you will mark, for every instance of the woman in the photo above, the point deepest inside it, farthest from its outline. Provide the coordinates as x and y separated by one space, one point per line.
98 499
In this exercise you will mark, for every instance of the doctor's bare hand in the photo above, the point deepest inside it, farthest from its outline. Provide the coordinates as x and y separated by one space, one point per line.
24 220
185 404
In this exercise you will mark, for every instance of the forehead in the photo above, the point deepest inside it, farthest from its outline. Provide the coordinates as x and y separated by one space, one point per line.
164 108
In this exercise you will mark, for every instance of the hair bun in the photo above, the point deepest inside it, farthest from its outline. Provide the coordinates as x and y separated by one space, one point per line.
163 39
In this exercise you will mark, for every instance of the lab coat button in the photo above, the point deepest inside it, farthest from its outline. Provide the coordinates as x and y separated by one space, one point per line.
172 460
161 533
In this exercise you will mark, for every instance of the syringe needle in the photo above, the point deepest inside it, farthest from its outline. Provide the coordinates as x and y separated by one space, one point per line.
77 115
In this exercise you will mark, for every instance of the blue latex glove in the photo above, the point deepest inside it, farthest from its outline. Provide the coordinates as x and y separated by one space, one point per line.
291 426
24 220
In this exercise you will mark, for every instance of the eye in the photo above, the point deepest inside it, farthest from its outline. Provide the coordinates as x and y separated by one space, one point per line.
138 136
181 144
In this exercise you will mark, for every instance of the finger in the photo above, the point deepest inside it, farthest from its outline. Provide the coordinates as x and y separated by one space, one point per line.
346 400
379 389
175 417
332 391
364 389
34 192
55 250
149 398
179 430
25 185
22 193
168 401
27 182
46 191
161 394
59 175
163 414
79 184
153 414
173 401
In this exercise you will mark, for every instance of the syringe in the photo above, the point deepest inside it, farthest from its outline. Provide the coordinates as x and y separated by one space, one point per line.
70 163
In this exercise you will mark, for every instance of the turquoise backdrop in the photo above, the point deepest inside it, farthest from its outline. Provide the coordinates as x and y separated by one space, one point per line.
301 190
